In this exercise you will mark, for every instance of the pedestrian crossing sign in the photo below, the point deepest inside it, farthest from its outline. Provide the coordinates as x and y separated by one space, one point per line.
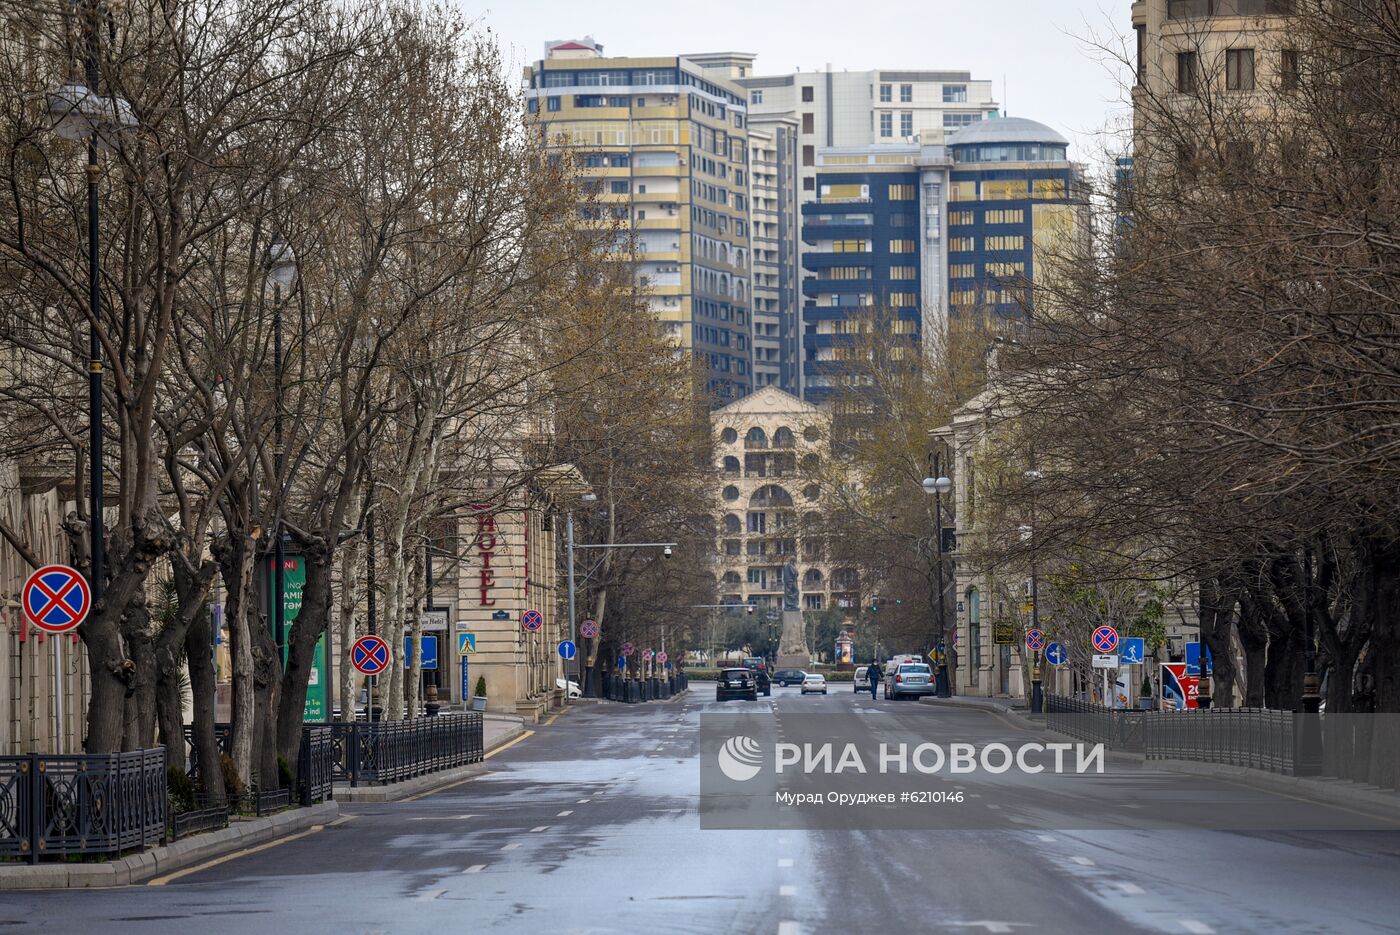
466 644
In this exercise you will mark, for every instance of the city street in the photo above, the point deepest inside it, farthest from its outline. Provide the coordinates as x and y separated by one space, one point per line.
590 825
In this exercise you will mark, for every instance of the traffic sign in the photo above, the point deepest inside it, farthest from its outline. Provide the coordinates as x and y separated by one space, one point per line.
1004 634
661 657
589 629
1193 659
1105 639
430 651
532 620
1105 662
1035 640
1056 655
56 599
622 662
567 649
501 615
628 649
1133 650
370 655
466 643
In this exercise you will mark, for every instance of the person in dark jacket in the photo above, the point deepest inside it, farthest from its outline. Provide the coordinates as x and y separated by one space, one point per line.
872 672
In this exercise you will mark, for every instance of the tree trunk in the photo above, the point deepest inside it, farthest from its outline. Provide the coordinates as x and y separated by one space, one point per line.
312 621
199 655
235 562
140 709
1254 640
1216 613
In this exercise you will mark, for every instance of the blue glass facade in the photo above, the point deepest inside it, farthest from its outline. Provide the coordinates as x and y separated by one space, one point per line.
862 252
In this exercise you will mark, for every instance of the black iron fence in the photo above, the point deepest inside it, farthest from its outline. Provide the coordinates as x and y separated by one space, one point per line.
1255 738
1120 729
392 751
316 763
83 804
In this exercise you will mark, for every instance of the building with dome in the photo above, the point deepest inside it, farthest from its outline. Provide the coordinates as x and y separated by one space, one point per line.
962 228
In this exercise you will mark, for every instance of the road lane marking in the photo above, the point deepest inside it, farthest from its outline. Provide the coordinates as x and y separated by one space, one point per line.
1046 838
584 801
789 927
565 813
787 890
1083 861
161 881
784 861
1196 927
1130 889
511 846
475 868
506 746
539 828
429 895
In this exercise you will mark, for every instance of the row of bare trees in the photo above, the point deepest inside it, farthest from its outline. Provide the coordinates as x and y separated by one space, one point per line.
446 307
1209 387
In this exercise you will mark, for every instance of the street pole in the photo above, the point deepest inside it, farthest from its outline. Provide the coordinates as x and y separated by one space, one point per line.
1309 761
573 597
97 531
279 608
944 689
372 607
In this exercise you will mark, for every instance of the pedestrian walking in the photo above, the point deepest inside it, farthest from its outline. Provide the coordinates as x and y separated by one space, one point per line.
873 673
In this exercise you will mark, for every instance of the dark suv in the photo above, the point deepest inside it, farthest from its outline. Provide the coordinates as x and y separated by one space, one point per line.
759 668
736 683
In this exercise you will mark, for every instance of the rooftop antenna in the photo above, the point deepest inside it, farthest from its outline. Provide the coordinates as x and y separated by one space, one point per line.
1004 111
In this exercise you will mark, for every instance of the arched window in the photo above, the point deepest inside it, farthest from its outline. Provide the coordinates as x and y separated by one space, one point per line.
732 577
812 579
731 465
770 495
757 438
732 523
783 438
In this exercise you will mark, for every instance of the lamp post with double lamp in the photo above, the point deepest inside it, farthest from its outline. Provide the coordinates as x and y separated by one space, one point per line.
79 112
281 274
937 485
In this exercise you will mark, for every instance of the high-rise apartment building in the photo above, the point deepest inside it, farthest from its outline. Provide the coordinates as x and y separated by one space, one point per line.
926 232
774 229
664 146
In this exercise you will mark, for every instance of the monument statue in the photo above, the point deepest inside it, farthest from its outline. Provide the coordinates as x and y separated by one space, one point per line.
790 585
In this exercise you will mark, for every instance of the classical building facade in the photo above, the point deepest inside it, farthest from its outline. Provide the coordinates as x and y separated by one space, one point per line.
771 449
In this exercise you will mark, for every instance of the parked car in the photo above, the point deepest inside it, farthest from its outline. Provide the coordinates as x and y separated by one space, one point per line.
861 679
814 683
736 683
908 679
759 668
786 677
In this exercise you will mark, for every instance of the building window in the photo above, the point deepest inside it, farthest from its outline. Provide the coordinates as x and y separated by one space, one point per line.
1290 73
906 93
812 601
886 124
1239 69
533 105
617 187
955 94
1006 243
809 123
903 300
552 103
885 97
960 217
755 97
962 271
962 244
809 158
904 272
1186 69
906 124
759 578
1141 52
958 121
850 246
901 246
807 94
901 193
758 522
809 184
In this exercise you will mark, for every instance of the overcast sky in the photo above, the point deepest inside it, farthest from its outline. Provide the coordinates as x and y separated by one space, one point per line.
1041 49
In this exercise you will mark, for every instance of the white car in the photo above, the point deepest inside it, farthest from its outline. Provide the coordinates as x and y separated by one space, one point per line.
573 689
814 683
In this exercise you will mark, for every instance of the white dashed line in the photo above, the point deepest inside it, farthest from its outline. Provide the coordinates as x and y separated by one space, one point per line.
584 801
429 896
784 861
1083 861
787 890
1046 838
1130 889
789 927
475 868
566 813
1196 927
539 828
511 846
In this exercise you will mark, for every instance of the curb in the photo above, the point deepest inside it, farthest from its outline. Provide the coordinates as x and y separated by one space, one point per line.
1322 790
167 858
398 791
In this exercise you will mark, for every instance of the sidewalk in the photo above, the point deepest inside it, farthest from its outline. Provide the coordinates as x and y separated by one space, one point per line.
497 730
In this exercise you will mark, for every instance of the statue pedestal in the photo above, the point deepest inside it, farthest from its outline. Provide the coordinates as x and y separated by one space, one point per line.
793 652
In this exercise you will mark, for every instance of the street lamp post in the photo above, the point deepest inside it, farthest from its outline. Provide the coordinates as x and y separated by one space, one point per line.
587 689
78 113
1037 692
938 485
281 273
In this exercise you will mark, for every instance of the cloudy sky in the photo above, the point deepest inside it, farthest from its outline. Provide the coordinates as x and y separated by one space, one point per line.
1042 52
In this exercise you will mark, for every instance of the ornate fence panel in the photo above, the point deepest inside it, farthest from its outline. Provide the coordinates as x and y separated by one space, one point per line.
57 806
1255 738
316 764
1117 728
392 751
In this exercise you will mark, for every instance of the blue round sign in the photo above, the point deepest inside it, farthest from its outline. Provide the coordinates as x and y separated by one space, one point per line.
1055 654
567 649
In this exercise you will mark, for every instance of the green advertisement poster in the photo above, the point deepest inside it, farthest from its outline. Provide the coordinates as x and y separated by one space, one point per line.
294 582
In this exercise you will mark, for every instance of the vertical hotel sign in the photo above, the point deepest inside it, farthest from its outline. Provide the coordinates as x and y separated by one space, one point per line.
487 541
